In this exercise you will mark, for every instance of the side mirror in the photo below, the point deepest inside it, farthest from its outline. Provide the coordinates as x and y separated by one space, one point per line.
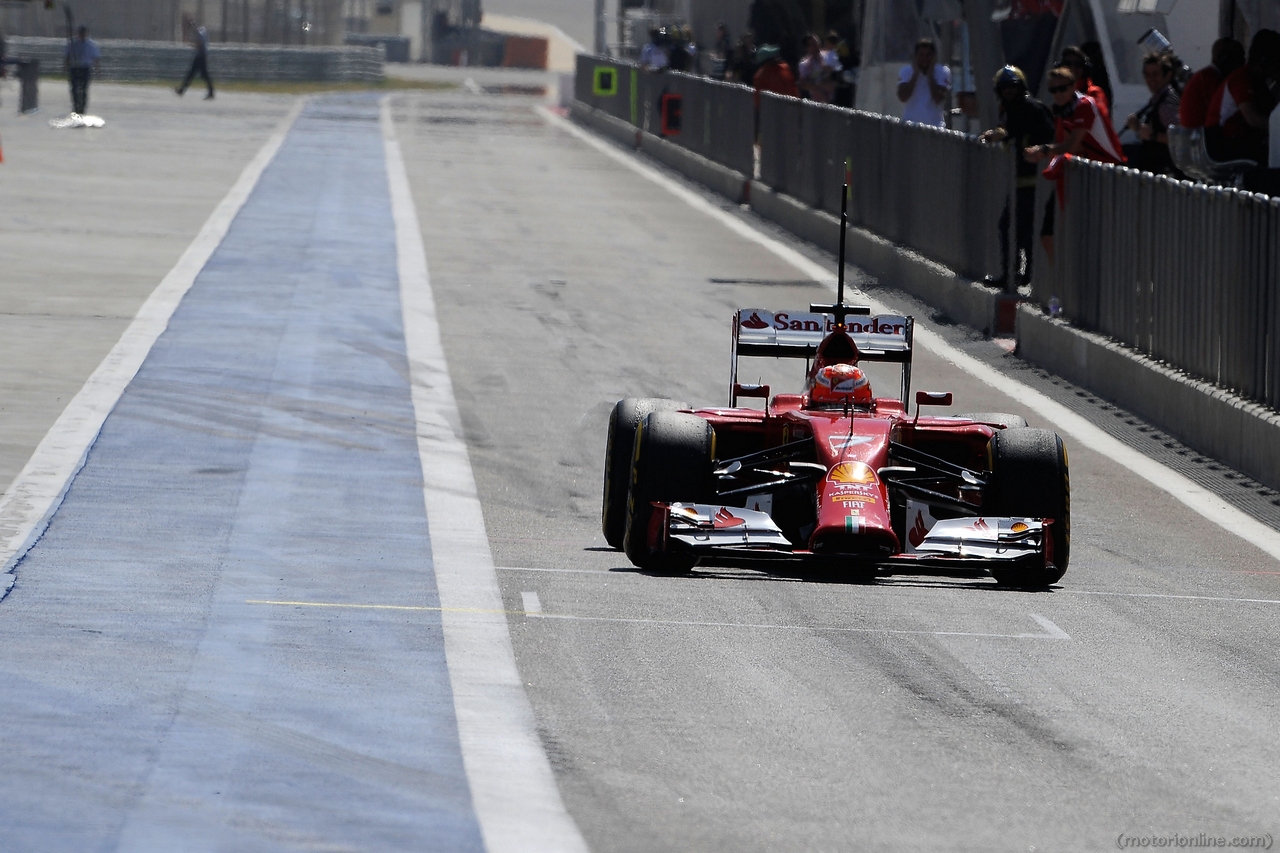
933 398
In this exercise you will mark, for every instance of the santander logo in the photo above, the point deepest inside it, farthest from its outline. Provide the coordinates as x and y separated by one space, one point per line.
754 322
917 532
723 518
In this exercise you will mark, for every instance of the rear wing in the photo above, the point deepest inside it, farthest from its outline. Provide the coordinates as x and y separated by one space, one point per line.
796 334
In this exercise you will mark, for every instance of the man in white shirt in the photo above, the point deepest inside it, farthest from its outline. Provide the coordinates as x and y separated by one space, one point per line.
923 86
654 54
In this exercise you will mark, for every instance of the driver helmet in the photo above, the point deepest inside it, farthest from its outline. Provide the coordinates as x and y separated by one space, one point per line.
840 384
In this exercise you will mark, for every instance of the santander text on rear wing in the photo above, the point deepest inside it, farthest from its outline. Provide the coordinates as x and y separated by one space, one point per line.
796 334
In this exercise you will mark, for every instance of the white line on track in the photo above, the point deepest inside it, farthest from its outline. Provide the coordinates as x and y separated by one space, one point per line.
1197 498
532 605
1173 597
513 790
1051 631
36 493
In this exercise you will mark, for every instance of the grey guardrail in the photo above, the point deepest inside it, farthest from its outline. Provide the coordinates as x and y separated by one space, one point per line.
148 60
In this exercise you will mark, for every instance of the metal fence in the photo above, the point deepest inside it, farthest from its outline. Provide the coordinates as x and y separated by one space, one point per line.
1186 273
717 122
936 191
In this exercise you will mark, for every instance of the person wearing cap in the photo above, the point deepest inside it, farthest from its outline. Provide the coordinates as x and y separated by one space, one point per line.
773 74
81 59
923 86
1024 123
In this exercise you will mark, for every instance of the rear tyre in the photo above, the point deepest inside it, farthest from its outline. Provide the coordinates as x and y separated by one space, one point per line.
671 462
1005 420
627 415
1030 479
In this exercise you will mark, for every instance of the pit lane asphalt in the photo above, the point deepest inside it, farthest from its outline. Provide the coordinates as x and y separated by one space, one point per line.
736 711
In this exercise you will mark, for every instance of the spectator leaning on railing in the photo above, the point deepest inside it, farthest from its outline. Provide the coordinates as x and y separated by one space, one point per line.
923 86
1081 129
1077 61
1228 55
1024 124
1151 123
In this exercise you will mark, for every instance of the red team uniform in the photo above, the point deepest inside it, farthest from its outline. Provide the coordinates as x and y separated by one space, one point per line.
1100 140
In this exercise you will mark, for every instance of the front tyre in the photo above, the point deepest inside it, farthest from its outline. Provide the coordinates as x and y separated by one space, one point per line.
1030 479
623 422
671 462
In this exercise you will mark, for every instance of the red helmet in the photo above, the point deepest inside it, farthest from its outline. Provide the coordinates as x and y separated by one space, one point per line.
840 384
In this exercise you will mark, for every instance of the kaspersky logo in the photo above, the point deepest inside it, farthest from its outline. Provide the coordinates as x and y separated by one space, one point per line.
851 473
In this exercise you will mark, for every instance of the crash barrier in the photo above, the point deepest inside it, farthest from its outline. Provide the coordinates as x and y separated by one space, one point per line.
1186 273
717 120
148 60
935 191
398 48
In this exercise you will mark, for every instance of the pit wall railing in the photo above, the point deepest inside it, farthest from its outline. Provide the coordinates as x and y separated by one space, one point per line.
937 192
1186 273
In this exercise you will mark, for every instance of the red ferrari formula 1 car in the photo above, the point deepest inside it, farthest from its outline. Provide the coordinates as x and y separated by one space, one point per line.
833 475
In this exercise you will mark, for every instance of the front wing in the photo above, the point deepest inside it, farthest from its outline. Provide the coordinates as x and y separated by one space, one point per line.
962 544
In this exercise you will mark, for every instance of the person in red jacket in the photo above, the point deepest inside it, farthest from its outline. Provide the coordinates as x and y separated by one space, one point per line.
1236 122
1075 59
1081 129
774 74
1228 55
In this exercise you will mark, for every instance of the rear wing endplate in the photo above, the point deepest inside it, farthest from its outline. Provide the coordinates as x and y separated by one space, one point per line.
796 334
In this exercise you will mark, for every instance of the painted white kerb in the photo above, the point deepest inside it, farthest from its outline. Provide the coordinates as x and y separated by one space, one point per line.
513 789
37 492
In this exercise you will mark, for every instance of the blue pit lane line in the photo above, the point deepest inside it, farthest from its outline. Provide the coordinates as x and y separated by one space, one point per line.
265 451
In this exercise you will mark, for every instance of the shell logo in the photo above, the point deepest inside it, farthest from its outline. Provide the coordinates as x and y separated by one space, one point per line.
851 473
1018 527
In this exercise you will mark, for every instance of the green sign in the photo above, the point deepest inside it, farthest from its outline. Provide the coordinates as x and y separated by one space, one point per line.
605 81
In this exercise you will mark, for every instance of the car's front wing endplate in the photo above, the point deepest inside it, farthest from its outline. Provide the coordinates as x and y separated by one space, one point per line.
703 526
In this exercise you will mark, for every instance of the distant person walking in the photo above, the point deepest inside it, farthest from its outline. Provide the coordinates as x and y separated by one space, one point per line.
199 63
80 61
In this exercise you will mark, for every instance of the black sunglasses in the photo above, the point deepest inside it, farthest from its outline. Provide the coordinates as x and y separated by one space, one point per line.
1054 90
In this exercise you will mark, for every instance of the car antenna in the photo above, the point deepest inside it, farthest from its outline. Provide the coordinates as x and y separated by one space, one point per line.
840 310
844 224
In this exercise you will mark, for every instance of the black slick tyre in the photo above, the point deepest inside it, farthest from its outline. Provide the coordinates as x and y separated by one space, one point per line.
671 461
624 420
1002 418
1030 479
